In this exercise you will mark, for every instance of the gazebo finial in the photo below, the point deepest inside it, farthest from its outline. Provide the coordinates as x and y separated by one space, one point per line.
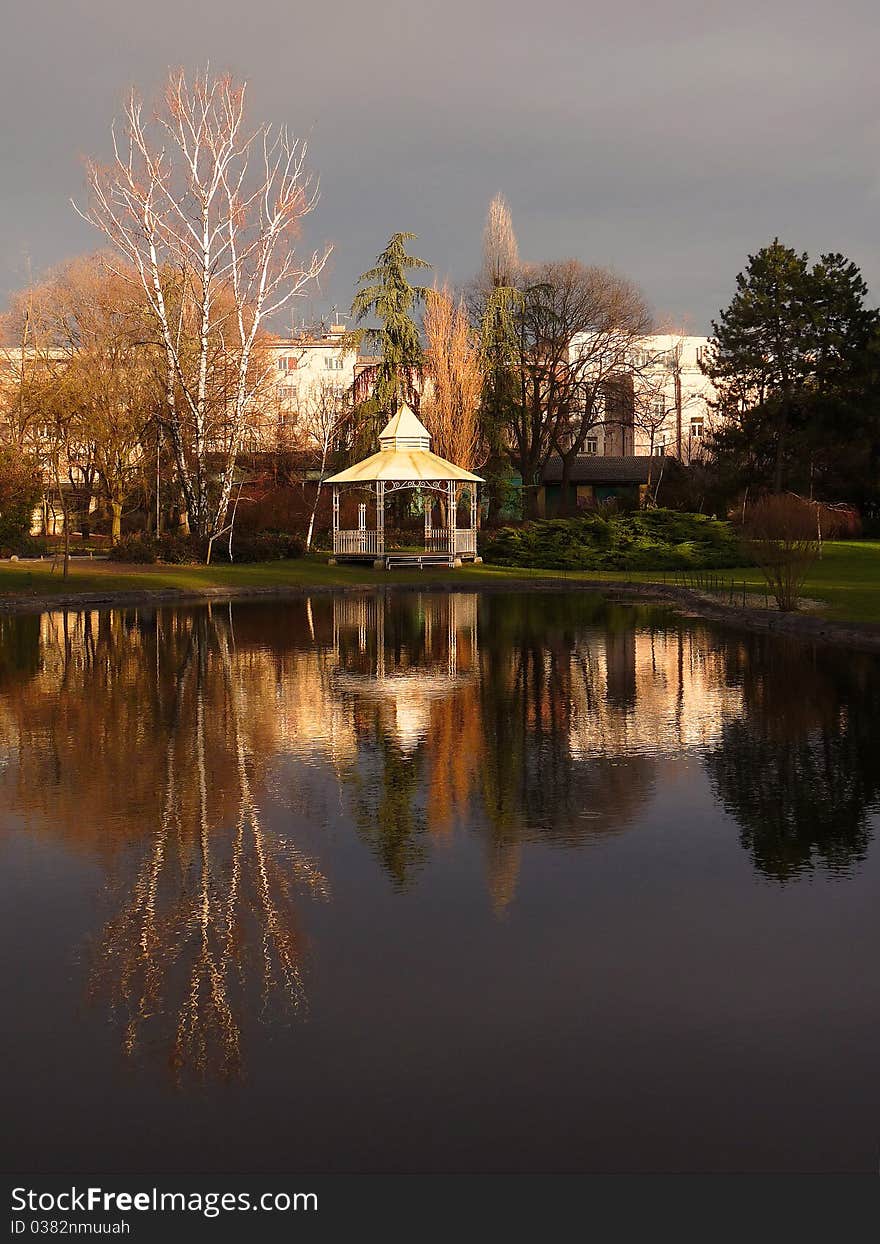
404 431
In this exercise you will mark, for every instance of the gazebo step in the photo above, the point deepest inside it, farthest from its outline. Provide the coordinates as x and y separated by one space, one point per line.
416 559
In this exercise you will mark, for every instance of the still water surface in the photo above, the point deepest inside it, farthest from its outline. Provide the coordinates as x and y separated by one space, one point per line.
435 882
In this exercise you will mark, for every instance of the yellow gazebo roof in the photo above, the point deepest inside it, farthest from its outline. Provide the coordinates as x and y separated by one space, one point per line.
404 454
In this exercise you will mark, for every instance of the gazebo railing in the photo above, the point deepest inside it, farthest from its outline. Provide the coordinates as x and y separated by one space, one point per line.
437 540
356 541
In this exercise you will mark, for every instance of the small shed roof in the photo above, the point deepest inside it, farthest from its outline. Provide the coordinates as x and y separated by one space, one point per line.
405 454
599 469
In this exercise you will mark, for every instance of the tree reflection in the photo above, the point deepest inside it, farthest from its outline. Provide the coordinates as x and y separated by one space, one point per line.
454 732
207 920
798 768
171 745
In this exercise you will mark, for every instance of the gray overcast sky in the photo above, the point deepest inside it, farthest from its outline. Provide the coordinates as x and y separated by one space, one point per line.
667 139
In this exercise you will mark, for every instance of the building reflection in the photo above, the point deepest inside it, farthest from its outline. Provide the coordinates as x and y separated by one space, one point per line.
193 751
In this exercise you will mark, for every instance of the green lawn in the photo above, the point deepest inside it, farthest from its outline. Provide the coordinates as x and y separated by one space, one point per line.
846 580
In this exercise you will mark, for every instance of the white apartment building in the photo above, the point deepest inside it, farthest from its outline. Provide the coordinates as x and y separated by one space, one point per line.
660 401
306 368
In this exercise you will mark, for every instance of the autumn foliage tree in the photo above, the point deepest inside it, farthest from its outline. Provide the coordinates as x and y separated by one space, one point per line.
97 379
454 382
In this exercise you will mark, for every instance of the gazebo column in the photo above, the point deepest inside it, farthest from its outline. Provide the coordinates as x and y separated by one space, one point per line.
474 512
380 520
335 523
427 502
451 518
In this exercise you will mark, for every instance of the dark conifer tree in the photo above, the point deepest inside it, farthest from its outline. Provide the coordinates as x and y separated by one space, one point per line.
386 293
791 360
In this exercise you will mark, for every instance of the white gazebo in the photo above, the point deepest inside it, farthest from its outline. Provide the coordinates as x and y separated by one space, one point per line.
405 461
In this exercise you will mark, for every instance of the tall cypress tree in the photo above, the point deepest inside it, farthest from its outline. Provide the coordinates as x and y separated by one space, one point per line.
498 300
386 293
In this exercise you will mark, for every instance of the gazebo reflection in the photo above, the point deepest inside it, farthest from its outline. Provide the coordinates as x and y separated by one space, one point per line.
403 662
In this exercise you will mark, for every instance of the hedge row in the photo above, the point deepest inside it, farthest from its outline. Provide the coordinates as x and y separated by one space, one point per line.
175 550
641 540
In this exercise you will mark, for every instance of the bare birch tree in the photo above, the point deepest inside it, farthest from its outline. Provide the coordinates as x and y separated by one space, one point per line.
195 200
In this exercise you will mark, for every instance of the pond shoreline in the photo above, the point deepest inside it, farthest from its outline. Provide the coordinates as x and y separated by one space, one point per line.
858 635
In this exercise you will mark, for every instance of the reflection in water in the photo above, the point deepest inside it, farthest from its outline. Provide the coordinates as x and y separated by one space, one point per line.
172 745
146 730
409 679
798 769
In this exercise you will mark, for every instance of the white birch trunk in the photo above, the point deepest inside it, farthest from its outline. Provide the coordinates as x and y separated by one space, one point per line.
190 194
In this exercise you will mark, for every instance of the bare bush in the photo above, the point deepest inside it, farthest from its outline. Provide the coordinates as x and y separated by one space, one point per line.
784 540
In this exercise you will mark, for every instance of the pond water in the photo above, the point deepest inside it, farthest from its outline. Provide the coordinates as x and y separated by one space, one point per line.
435 882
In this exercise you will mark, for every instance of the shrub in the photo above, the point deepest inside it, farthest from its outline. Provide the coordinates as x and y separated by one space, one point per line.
838 522
784 537
644 540
173 550
27 546
178 550
138 547
265 546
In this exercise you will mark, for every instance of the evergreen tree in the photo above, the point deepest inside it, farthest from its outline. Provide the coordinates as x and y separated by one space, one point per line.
386 293
761 348
500 391
790 359
497 301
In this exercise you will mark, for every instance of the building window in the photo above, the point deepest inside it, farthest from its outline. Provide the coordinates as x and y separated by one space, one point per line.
697 428
288 362
591 445
288 392
659 449
332 363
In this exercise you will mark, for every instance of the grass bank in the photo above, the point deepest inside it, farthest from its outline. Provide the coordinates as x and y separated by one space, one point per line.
846 581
